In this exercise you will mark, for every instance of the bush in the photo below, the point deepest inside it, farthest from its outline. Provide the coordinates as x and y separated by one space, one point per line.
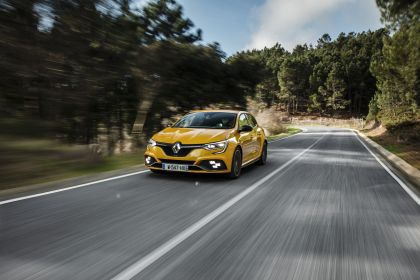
406 131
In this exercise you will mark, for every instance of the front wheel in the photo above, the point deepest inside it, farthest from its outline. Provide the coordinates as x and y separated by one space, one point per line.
263 157
236 167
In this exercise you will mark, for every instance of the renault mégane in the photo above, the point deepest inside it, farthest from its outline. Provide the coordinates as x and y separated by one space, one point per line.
211 141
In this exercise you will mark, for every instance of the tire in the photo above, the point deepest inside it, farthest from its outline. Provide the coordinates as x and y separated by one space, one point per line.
235 169
263 157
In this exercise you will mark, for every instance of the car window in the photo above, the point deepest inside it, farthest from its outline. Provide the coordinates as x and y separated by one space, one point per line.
252 120
221 120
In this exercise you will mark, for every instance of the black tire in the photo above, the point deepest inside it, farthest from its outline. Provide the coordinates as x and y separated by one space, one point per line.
263 157
235 169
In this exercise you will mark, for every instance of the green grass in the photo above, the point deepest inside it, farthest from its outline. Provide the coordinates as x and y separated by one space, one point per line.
393 148
111 163
290 131
408 151
28 161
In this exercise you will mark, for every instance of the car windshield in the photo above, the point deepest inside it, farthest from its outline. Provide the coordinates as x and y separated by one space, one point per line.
217 120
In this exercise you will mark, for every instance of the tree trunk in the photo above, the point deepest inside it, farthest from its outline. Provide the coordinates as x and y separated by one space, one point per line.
144 108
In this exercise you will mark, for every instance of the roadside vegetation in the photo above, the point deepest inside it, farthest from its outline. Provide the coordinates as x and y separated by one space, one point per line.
33 160
410 152
402 143
71 80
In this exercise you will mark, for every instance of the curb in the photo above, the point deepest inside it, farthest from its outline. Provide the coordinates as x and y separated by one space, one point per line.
410 172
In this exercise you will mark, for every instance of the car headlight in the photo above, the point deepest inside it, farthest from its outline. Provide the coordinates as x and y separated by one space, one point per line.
151 142
218 147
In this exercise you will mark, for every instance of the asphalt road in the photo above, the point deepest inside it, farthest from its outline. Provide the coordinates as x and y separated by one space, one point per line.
322 208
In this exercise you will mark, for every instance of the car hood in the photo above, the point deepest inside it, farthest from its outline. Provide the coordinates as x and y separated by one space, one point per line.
192 135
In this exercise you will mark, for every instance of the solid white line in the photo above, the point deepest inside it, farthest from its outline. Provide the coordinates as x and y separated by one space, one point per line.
71 188
156 254
276 140
92 183
401 183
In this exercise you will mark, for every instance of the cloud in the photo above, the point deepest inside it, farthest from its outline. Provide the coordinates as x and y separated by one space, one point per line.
292 22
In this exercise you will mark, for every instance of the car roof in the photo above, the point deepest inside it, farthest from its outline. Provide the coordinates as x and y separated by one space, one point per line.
219 110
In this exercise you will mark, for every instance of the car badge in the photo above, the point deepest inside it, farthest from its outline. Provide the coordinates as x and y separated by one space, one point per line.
176 147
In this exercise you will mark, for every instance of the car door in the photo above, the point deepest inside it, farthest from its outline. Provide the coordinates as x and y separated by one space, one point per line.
256 136
245 139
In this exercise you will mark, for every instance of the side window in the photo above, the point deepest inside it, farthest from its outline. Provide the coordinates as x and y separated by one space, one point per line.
252 120
242 120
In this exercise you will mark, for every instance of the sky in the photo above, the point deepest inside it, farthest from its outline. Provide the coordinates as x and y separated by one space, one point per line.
246 24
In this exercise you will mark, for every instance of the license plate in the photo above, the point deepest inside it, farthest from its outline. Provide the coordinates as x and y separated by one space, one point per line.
174 167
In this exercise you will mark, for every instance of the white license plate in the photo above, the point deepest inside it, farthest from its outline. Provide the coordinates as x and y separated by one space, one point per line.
174 167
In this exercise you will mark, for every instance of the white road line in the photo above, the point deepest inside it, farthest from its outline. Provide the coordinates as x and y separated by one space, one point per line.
272 141
92 183
401 183
71 188
156 254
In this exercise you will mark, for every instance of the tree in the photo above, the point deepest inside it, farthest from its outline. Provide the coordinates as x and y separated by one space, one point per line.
396 102
398 12
335 89
398 81
163 20
21 55
293 79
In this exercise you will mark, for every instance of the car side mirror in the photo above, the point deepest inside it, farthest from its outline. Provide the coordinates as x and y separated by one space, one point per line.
169 124
245 128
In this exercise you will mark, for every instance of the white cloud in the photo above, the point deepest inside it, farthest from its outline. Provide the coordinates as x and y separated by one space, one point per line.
292 22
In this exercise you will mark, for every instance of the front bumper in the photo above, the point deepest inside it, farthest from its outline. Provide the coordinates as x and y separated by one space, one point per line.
198 160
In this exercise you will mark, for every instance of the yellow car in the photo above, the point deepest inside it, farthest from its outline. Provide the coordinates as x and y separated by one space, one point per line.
211 141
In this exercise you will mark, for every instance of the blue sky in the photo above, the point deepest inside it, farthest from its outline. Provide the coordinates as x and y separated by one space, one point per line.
244 24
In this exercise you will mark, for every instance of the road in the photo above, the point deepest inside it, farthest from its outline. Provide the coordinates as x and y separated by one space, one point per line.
322 208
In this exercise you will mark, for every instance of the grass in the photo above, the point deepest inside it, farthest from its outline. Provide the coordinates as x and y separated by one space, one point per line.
112 163
290 131
410 152
28 161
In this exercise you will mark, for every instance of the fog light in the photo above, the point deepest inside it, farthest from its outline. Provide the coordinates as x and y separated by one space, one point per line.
149 160
214 164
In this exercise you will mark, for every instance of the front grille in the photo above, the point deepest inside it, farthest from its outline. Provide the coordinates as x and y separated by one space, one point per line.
184 151
188 162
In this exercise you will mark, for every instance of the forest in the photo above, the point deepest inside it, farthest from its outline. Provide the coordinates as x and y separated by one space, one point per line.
90 71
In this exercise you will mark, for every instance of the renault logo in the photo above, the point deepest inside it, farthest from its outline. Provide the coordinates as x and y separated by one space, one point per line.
176 147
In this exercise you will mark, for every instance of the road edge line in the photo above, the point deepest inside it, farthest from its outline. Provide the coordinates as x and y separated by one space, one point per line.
276 140
138 266
71 188
408 190
3 202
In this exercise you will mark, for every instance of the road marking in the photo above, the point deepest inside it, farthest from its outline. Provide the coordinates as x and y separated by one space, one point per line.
401 183
276 140
92 183
159 252
71 188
